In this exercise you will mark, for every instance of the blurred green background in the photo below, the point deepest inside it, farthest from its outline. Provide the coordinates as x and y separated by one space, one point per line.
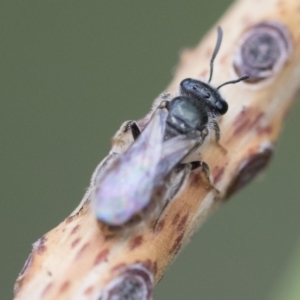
70 73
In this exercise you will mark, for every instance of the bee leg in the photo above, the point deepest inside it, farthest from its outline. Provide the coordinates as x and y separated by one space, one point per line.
166 96
132 126
204 166
196 164
200 164
206 170
135 131
216 128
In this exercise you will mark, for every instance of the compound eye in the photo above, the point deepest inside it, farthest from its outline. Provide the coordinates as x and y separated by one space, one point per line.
221 107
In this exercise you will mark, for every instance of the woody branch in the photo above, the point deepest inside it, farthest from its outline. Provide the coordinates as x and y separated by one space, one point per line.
79 260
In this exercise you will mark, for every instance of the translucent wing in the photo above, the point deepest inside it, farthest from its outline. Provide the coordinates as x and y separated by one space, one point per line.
176 149
126 188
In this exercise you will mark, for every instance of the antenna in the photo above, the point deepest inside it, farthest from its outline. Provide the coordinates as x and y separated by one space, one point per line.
218 44
233 81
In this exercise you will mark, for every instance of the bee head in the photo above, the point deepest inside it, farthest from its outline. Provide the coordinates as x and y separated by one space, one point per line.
203 92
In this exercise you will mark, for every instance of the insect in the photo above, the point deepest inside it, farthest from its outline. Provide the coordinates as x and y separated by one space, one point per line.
146 170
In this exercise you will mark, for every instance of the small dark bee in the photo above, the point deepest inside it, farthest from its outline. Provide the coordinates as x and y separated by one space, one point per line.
176 129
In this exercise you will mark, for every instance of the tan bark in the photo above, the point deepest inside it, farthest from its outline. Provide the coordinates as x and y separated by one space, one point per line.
79 260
